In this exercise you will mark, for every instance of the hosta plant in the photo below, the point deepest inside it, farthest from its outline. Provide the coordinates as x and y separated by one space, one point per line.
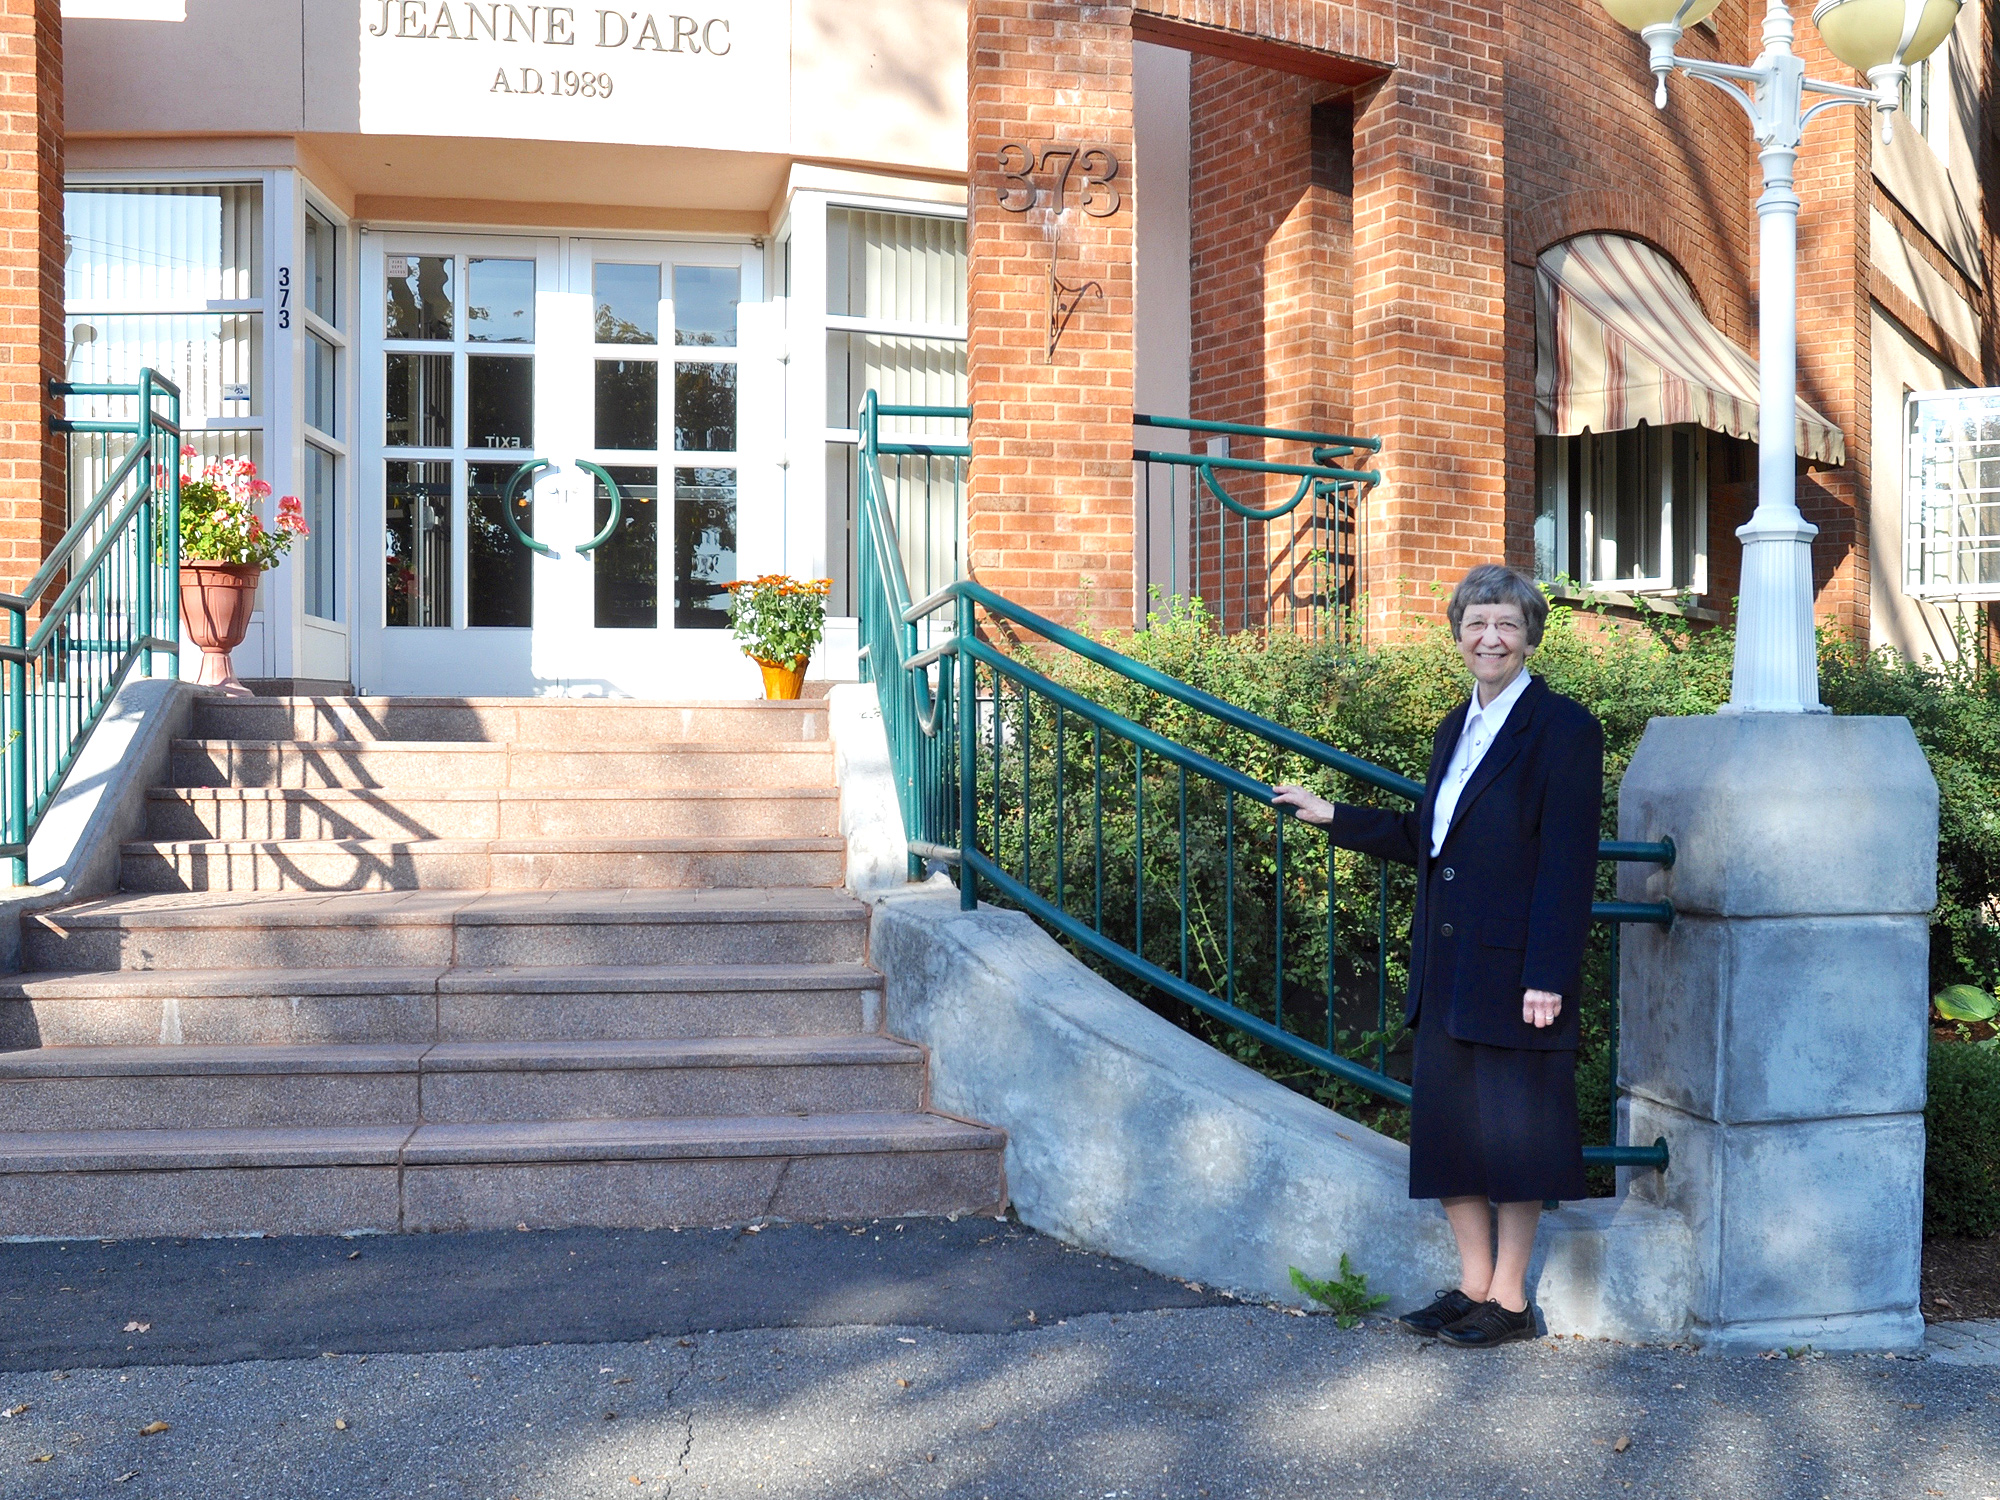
221 520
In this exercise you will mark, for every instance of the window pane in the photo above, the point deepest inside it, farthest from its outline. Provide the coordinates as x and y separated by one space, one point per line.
626 569
628 303
705 300
419 305
322 398
628 403
904 372
1548 472
417 548
1651 504
499 571
500 401
1688 502
418 405
320 560
705 408
704 547
184 243
318 278
895 268
217 359
500 301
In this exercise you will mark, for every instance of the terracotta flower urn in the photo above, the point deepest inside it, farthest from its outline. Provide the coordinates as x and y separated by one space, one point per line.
216 600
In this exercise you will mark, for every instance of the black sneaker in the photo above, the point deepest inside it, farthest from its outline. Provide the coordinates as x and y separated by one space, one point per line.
1488 1324
1449 1308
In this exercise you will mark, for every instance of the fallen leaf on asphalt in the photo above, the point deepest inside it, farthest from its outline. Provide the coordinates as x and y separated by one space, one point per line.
137 1327
1622 1444
122 1478
989 1426
522 1227
40 1458
900 1341
903 1383
14 1411
611 1416
340 1424
354 1255
153 1429
930 1458
623 1380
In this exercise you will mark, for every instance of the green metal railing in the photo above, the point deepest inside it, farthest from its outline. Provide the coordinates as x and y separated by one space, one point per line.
107 596
1291 563
1151 855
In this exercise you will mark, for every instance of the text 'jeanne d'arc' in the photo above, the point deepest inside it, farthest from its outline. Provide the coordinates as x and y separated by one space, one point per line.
549 25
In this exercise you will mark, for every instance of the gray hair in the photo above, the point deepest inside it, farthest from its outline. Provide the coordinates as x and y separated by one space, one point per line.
1490 583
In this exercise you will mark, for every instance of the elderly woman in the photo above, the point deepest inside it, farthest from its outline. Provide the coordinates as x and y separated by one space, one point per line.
1505 845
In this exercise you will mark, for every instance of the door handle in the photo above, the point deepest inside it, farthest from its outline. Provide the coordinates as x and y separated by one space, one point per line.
617 508
507 508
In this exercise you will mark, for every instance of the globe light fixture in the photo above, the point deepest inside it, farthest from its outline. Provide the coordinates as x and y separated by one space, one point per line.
1776 669
1880 39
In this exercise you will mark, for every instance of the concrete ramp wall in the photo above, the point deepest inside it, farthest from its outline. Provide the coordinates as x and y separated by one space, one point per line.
1127 1135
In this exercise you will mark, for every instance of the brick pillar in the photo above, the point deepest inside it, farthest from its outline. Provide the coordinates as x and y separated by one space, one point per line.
1049 517
1836 188
33 504
1429 348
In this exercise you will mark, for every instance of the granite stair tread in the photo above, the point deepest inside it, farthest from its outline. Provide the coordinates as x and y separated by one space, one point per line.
452 1057
496 1142
519 979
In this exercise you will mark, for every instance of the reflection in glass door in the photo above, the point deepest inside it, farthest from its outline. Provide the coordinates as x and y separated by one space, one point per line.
665 402
557 448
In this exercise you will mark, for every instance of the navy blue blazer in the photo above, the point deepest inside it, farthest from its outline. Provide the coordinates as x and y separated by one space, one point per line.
1505 905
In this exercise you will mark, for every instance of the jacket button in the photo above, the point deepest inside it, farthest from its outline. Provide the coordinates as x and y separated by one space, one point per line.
1445 931
1450 873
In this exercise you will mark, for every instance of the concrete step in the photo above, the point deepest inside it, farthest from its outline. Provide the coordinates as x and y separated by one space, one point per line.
342 1086
402 929
520 721
233 1007
412 765
610 1173
183 814
483 864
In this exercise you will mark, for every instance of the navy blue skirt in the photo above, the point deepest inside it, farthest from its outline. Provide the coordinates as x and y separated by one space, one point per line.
1493 1122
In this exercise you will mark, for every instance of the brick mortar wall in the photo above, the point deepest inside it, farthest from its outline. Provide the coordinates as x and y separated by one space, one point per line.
1049 517
32 457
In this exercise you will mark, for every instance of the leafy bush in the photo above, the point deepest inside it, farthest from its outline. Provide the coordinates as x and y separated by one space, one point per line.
1061 809
1962 1150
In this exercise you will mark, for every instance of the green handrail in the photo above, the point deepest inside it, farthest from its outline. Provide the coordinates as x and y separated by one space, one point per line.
617 508
119 603
940 724
507 507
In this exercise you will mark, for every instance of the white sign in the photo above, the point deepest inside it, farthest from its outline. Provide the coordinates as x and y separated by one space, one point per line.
712 73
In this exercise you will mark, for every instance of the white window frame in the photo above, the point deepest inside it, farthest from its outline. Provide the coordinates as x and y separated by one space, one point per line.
812 545
334 444
1584 547
1920 551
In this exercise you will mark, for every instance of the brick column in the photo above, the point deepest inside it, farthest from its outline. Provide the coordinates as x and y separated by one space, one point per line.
1429 348
32 459
1049 518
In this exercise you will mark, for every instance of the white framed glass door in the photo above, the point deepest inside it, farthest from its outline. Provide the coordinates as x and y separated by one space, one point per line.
553 463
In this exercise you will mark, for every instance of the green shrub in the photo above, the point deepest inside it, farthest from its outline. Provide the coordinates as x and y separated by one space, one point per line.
1962 1150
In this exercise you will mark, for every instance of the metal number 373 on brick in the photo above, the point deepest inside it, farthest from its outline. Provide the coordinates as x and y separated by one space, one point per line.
1027 171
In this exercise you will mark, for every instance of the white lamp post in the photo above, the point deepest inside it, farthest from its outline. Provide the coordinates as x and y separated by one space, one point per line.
1777 663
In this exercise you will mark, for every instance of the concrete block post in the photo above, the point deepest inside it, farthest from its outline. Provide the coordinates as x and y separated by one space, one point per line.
1777 1035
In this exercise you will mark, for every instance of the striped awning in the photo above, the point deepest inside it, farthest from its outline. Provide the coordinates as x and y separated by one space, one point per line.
1620 340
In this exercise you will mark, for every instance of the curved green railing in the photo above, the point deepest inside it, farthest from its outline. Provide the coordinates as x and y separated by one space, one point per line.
107 596
1031 787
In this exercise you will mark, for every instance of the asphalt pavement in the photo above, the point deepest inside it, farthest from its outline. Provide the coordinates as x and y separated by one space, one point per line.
860 1360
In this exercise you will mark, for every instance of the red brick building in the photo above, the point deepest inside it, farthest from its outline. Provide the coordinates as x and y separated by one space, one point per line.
1303 214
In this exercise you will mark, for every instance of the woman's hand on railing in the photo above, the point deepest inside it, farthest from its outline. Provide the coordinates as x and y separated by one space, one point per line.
1308 804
